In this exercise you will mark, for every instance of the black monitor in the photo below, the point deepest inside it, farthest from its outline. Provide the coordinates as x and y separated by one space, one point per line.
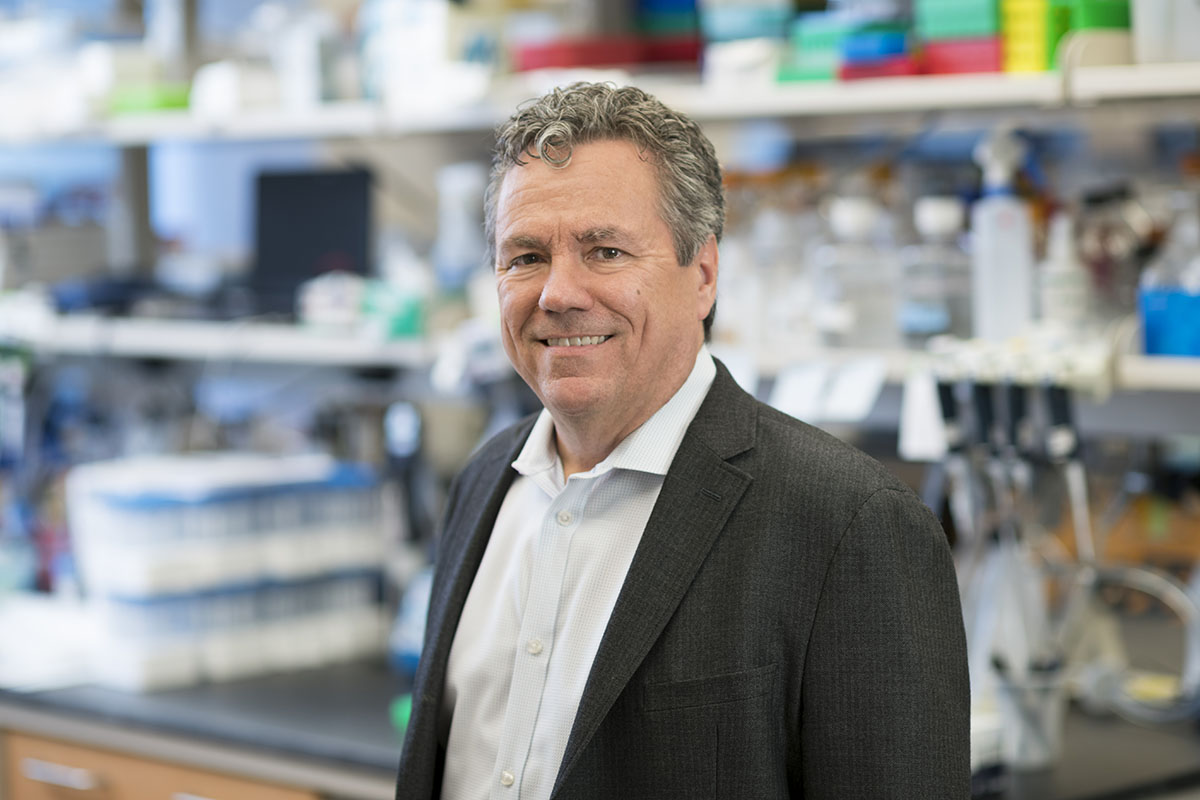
308 223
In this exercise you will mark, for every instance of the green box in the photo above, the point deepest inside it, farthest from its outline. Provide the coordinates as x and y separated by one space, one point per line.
1108 14
810 65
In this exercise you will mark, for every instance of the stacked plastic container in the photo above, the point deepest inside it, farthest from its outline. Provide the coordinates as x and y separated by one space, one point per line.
881 49
221 566
1032 29
1102 14
815 50
960 35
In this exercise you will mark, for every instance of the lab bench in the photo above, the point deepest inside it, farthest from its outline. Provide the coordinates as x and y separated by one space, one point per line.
326 733
296 736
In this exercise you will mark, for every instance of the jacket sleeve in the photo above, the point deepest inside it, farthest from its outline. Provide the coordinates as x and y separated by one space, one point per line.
885 706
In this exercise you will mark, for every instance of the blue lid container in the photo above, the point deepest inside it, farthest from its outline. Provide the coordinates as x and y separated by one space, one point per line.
1170 321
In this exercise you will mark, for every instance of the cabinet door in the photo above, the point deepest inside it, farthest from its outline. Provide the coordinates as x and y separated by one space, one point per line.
45 769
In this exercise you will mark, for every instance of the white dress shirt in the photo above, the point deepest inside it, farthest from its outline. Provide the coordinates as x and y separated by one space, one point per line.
542 597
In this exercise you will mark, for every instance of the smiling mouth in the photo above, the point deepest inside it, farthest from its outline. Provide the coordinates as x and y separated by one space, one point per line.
575 341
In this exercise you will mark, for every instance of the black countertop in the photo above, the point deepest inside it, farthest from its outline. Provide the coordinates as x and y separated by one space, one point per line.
1110 759
337 714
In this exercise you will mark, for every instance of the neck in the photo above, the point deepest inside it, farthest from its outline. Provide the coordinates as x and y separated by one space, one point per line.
584 441
579 453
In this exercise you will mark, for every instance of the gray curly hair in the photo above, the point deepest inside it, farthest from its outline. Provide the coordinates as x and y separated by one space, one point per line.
689 177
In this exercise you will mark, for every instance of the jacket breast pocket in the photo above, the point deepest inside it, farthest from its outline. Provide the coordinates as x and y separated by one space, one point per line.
729 687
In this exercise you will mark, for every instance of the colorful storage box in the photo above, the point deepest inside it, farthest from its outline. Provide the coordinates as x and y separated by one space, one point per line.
951 56
956 19
1103 14
1031 30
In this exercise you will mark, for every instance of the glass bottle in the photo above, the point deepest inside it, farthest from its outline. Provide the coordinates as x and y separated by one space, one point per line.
855 280
935 275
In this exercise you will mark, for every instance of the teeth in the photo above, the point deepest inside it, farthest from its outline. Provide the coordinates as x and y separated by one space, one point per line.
575 341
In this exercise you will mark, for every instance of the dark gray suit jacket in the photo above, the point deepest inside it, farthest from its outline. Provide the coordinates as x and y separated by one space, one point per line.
789 627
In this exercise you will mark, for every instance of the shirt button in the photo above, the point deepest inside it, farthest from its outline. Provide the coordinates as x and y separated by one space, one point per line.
507 778
534 647
564 518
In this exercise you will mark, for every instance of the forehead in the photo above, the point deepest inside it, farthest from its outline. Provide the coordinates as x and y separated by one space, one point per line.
608 174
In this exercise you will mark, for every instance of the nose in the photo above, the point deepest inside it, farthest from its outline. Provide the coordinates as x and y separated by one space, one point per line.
566 288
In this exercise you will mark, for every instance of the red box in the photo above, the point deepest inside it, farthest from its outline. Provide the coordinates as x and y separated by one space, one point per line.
964 55
896 67
606 51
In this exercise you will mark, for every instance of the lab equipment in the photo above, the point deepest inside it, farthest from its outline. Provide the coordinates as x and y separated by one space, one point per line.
308 223
855 280
459 250
1002 244
1017 409
1169 295
1064 284
216 566
935 276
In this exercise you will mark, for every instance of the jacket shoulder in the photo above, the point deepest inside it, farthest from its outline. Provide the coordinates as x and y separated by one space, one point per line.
816 467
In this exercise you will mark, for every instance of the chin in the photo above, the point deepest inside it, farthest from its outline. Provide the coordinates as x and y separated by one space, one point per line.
571 397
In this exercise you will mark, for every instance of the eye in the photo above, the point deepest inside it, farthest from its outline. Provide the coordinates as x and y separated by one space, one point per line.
523 260
609 253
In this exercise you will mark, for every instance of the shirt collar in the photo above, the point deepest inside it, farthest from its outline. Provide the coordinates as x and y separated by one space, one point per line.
650 448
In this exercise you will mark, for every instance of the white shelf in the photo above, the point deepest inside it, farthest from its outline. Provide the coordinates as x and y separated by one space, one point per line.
1089 85
291 344
1077 86
330 120
215 341
928 93
1158 373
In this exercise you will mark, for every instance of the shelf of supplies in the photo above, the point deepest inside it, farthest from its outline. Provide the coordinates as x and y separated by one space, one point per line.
1090 85
353 119
282 343
359 119
214 341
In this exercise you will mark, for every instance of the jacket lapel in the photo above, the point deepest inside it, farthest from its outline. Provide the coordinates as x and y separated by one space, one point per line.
461 549
698 495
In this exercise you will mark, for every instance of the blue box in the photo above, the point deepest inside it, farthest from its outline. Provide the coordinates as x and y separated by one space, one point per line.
1170 322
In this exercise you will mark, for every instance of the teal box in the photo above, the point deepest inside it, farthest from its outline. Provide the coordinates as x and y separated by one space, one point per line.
956 19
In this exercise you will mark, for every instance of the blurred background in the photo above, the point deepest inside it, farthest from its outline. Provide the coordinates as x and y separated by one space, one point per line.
247 338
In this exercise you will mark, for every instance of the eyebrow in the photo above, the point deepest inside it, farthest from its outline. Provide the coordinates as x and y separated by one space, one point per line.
524 242
597 235
589 236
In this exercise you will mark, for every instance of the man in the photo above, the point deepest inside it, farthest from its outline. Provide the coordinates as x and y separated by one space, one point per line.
660 587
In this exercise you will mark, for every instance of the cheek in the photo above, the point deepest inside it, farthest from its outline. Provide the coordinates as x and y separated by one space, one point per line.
517 304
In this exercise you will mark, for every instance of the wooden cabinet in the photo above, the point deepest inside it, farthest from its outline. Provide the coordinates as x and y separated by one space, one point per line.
34 768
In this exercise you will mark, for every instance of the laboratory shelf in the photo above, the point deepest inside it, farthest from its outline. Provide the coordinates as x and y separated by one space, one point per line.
273 342
1076 86
1091 85
925 93
896 364
364 119
329 120
1158 373
216 341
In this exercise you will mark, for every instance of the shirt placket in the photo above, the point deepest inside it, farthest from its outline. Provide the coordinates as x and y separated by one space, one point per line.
535 643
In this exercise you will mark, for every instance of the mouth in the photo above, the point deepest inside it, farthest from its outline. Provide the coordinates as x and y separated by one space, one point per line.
575 341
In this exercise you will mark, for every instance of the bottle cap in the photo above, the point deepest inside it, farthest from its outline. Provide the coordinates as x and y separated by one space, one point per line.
1000 154
938 216
853 217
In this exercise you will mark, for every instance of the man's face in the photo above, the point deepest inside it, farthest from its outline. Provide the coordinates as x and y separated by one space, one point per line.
597 314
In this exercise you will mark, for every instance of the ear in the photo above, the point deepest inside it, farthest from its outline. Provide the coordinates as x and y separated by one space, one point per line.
706 263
